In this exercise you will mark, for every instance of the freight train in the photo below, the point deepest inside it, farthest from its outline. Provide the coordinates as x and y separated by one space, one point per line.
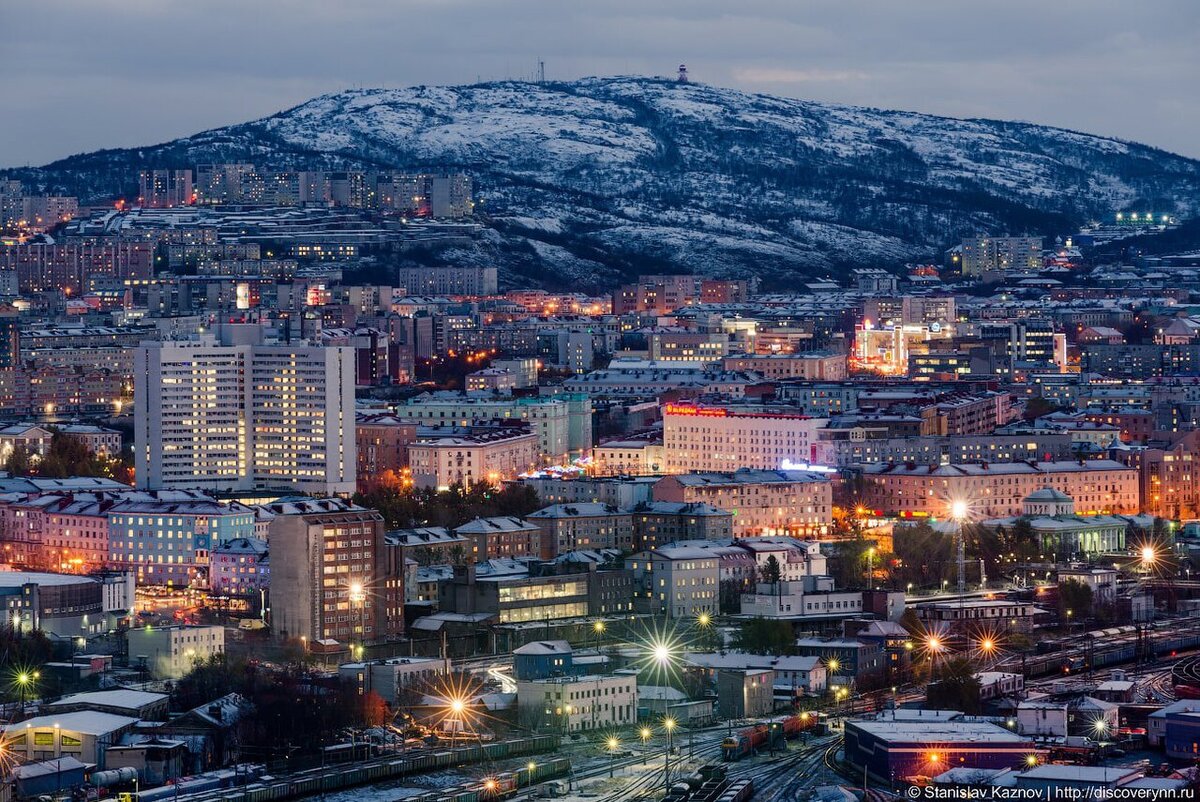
750 740
1112 647
319 781
712 790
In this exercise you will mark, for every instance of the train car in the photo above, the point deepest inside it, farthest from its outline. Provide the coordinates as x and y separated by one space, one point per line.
498 787
745 743
794 725
1187 692
738 791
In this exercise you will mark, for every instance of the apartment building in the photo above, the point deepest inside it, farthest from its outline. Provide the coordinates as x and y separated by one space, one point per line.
676 582
244 417
333 574
764 502
444 456
702 437
997 490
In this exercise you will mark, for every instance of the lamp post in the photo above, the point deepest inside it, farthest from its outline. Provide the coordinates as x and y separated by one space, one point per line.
597 633
645 733
669 726
613 743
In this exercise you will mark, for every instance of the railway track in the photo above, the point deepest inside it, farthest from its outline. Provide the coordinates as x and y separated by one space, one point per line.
1160 687
795 767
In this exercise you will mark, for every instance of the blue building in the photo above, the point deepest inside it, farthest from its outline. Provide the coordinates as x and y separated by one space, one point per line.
925 743
543 659
166 537
1182 738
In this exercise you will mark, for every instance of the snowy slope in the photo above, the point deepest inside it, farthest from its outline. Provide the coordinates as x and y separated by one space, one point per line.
588 181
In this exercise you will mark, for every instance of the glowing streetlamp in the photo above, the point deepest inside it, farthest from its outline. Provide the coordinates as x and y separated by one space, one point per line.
612 744
25 680
645 733
704 619
598 632
958 510
1031 760
669 726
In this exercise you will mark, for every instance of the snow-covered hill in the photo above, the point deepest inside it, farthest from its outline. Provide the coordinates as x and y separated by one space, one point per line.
588 181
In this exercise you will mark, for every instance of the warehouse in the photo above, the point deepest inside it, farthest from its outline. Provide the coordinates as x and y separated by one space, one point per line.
906 744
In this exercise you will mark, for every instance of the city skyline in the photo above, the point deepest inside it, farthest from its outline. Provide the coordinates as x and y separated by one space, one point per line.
145 73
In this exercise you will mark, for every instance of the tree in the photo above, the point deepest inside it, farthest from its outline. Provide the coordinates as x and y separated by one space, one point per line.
771 573
954 686
375 711
730 596
846 561
19 462
1076 597
765 636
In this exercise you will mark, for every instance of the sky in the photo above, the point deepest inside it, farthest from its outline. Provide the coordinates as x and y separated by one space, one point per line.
80 75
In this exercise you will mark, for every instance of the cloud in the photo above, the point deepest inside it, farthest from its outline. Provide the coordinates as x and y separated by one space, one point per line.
782 75
86 74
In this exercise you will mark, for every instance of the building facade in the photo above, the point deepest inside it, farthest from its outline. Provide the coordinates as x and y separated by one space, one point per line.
233 418
333 576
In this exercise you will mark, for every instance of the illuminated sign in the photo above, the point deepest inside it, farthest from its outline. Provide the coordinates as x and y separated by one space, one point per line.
685 409
788 465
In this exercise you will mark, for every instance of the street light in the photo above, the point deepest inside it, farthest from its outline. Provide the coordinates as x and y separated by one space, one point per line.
934 644
669 726
598 632
704 619
645 732
613 743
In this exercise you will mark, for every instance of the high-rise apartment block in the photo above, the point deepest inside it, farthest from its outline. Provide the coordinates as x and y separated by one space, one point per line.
333 576
1005 254
243 417
162 189
446 281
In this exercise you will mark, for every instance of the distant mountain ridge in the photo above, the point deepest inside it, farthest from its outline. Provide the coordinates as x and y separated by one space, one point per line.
587 182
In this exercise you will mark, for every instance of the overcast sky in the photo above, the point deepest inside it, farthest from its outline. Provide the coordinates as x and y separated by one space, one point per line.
79 75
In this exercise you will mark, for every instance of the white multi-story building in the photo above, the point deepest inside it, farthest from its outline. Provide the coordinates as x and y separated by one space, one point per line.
244 417
171 652
576 704
468 458
675 581
563 424
698 437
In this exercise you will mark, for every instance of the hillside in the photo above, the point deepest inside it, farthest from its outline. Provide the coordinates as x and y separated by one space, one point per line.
585 182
